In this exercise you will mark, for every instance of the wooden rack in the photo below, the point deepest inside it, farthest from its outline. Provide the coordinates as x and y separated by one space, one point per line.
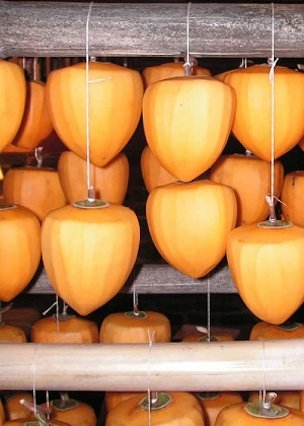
57 29
151 29
215 366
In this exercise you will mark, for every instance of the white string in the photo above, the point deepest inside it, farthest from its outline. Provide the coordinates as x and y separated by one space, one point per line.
87 95
208 311
187 64
151 338
47 399
34 382
50 308
264 375
135 301
272 62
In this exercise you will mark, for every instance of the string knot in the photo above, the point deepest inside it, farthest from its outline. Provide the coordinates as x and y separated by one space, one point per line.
272 62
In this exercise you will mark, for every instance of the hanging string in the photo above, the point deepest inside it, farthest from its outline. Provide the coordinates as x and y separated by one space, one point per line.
91 195
187 64
272 62
151 338
34 382
135 301
48 409
208 311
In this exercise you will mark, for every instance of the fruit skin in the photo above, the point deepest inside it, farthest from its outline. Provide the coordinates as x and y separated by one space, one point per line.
189 224
249 177
81 414
20 250
253 116
69 330
12 100
187 121
265 331
36 188
153 173
293 197
264 263
236 415
112 399
213 402
110 182
11 333
36 122
119 328
168 70
185 410
14 409
88 254
115 108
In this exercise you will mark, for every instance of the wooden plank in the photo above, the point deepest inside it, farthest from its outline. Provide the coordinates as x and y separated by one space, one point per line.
152 29
152 278
216 366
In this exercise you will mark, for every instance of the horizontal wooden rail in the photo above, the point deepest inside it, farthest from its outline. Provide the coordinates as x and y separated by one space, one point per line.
215 366
152 29
158 278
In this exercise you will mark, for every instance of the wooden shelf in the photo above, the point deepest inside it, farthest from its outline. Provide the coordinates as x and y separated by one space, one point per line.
57 29
216 366
158 278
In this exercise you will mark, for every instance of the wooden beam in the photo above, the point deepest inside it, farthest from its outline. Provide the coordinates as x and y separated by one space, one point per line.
151 29
216 366
161 278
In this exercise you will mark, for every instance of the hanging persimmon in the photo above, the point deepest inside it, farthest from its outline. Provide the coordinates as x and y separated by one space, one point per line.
112 399
187 121
254 414
110 181
19 249
169 70
252 124
264 331
12 100
263 262
249 177
72 412
11 333
37 188
66 329
289 399
153 173
36 122
89 252
293 197
213 402
14 409
135 327
115 99
180 408
189 224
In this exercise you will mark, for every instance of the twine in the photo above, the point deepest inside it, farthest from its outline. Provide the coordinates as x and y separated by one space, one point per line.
56 303
34 382
272 62
151 338
91 195
187 64
48 410
135 301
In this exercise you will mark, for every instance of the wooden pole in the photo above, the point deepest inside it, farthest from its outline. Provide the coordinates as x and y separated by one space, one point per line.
152 29
216 366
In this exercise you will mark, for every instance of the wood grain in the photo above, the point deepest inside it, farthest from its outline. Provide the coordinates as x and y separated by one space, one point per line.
151 29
